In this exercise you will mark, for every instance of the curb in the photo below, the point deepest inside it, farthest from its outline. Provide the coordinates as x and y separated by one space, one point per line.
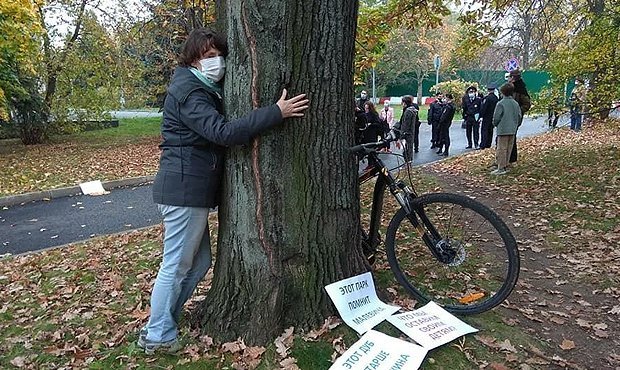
13 200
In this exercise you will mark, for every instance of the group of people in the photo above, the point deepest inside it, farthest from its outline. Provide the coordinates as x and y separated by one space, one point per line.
482 115
372 125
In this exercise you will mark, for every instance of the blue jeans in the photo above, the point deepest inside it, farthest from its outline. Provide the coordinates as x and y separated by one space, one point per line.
575 119
186 260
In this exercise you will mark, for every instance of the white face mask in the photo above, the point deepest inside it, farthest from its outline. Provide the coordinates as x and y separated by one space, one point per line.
471 95
213 68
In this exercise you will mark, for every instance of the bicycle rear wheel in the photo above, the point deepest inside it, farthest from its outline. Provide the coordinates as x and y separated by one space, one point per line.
475 262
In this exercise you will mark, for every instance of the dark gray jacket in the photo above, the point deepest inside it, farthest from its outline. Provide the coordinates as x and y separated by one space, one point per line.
194 136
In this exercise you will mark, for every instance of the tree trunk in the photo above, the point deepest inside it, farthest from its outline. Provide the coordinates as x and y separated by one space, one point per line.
421 78
289 217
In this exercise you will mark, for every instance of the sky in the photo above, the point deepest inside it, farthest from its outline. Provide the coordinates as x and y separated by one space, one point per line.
60 22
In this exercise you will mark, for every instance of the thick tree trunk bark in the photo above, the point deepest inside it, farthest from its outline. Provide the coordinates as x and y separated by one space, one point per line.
289 218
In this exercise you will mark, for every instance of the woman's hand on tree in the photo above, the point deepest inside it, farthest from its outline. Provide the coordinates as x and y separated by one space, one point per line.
292 107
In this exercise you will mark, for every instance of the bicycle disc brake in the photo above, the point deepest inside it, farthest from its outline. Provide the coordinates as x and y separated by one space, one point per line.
452 253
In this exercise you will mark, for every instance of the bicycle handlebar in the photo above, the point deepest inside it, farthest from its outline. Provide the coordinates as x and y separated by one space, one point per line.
369 147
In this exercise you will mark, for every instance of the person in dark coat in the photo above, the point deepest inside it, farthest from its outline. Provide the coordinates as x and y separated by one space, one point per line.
486 113
434 113
525 103
407 126
471 114
374 128
445 121
195 135
359 103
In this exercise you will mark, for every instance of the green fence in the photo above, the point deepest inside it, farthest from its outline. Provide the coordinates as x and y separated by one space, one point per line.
534 80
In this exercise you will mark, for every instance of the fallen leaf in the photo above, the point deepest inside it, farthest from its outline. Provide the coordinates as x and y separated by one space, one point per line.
507 346
284 341
600 326
583 323
233 347
601 333
18 361
567 344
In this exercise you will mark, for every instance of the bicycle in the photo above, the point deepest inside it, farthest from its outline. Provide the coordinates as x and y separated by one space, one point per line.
443 247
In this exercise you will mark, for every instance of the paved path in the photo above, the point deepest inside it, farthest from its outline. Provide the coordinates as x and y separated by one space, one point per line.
43 224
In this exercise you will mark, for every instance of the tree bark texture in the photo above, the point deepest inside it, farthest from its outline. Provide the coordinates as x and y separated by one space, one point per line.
289 217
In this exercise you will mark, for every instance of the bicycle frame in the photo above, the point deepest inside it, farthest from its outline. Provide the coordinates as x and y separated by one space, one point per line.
384 180
404 195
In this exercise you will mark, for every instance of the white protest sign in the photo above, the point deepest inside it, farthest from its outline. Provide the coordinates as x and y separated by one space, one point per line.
93 188
430 326
378 351
357 302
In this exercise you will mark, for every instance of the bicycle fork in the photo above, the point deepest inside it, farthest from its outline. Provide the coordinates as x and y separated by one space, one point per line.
425 229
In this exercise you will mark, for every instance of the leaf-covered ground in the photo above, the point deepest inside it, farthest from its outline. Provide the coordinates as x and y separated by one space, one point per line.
81 306
116 153
563 203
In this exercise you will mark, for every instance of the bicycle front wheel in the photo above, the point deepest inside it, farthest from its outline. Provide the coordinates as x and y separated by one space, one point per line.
461 255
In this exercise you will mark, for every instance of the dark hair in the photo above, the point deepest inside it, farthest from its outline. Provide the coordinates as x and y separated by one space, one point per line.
449 96
507 89
198 42
407 99
371 106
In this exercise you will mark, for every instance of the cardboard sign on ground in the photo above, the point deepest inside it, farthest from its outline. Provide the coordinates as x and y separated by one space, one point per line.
378 351
357 302
430 326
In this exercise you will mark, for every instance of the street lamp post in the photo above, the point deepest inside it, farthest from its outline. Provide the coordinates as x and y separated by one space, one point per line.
374 92
437 63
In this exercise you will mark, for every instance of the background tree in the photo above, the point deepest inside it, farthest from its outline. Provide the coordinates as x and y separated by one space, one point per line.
410 54
591 52
89 84
288 227
19 54
157 41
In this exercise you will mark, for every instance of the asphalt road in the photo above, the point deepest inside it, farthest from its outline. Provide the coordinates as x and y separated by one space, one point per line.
44 224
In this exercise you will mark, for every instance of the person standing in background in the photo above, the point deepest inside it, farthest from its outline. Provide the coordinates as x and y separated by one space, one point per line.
506 118
445 121
407 124
359 104
374 129
386 116
471 114
486 113
525 103
434 114
576 100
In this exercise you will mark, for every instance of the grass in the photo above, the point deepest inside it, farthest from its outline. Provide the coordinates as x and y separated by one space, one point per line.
129 130
129 150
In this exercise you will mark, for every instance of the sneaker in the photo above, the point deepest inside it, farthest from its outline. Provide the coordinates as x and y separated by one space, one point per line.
499 172
468 147
150 348
142 335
